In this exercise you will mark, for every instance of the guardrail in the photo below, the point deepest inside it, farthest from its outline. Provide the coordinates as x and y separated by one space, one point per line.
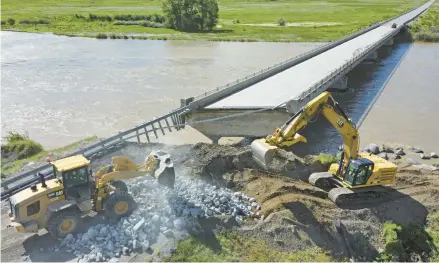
220 92
149 129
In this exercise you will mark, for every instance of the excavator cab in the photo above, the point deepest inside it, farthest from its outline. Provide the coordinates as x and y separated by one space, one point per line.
358 172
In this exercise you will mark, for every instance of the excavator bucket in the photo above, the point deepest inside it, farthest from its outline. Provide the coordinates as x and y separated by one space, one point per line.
165 173
263 153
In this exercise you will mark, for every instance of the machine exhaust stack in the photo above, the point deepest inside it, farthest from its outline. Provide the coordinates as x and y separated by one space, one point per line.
43 180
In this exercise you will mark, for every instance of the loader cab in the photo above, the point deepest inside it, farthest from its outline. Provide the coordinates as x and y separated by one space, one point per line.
75 176
358 172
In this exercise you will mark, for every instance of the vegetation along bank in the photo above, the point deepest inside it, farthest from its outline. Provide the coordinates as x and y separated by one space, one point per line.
228 20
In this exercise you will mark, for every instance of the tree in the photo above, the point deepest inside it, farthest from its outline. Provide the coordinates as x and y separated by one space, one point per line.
191 15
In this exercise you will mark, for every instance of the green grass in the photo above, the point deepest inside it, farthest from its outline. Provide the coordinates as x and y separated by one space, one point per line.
426 28
9 167
402 243
325 159
240 20
233 247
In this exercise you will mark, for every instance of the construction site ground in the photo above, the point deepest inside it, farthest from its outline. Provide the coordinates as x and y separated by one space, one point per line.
295 215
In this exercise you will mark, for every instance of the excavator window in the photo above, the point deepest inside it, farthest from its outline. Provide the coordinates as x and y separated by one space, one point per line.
357 174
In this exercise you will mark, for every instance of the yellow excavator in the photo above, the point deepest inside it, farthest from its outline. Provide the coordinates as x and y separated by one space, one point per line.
359 176
59 203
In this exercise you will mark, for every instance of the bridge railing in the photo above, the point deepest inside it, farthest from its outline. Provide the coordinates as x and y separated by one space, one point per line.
149 130
203 99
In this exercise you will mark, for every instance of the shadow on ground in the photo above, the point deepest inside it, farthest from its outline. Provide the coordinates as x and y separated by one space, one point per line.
43 247
362 223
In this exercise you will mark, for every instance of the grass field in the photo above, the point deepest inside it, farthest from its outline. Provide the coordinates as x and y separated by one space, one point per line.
240 20
426 28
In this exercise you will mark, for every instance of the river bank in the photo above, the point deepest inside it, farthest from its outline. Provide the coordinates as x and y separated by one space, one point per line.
239 20
426 28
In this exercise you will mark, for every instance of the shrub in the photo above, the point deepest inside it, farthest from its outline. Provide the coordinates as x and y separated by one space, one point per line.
35 22
11 21
153 24
129 17
101 36
3 22
105 18
427 37
20 146
282 22
325 159
80 16
408 243
128 23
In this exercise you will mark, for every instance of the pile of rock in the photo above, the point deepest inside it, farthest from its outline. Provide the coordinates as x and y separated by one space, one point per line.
161 210
384 152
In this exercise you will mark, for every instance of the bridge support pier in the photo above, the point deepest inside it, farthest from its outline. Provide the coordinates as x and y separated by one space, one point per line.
214 139
341 83
389 42
372 56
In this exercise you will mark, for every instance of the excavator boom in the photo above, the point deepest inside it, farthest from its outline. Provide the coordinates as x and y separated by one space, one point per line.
264 149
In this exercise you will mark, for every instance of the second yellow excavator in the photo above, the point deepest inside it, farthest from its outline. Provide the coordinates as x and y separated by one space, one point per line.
357 175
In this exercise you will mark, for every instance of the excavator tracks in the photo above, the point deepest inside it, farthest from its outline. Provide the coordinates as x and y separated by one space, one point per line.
321 180
342 196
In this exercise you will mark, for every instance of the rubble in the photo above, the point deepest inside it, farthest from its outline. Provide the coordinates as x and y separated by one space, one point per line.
161 210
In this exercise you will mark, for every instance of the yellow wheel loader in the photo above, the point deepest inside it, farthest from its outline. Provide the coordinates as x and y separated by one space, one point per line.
59 203
357 177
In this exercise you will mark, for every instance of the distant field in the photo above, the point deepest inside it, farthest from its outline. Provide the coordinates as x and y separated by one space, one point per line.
245 20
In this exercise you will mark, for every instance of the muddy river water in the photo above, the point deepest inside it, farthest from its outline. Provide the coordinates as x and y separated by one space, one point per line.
62 89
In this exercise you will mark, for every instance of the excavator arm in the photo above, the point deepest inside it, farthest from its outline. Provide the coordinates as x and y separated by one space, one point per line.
264 149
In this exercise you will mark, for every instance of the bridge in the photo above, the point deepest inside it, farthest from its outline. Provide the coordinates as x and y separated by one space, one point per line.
280 91
276 93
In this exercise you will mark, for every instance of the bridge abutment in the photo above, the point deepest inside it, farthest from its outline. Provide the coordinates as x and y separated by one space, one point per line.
253 124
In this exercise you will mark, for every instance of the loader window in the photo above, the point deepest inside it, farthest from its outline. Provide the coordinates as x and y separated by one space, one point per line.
33 208
75 177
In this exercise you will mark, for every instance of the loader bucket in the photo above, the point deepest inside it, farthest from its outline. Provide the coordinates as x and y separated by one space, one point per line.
263 153
165 173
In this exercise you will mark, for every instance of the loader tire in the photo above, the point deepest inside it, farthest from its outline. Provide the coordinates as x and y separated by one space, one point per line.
120 185
119 204
63 223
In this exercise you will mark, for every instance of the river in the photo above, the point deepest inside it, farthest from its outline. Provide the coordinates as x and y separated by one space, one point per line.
62 89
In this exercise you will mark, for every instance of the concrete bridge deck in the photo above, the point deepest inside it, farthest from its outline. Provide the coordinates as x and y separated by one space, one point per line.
290 83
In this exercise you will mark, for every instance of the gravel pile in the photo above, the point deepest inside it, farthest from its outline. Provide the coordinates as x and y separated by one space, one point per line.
160 211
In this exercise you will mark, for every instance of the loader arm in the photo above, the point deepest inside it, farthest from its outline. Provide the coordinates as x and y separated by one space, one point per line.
124 169
287 135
